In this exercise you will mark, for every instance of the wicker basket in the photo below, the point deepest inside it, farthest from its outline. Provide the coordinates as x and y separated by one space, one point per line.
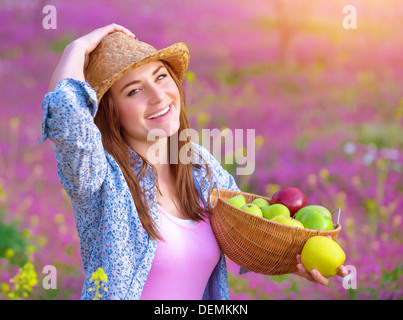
255 243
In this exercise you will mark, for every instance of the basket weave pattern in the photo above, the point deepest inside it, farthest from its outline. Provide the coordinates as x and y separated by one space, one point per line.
256 243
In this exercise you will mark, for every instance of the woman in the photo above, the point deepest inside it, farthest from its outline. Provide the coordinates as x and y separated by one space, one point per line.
140 216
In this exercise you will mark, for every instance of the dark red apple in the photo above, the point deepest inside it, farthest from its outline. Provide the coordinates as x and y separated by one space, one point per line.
293 198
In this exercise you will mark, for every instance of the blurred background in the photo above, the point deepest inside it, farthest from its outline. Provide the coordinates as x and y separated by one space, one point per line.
326 104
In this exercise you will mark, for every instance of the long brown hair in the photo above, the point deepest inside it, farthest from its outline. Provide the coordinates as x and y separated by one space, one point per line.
107 120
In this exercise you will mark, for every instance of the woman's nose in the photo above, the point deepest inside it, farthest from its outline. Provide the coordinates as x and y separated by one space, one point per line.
156 95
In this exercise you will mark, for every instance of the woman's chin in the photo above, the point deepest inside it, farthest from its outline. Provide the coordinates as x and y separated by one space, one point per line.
163 130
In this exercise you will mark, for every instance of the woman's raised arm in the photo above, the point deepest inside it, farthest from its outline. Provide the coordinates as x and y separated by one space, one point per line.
69 110
75 56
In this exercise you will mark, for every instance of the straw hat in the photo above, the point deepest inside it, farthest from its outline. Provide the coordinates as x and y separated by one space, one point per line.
118 54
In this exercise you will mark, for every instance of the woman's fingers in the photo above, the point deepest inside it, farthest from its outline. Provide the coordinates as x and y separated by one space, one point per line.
115 27
92 39
314 275
319 278
342 271
303 273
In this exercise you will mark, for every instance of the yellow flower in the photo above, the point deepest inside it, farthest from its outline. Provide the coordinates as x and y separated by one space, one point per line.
5 288
9 253
259 141
272 188
23 281
203 118
100 278
190 76
14 123
324 174
31 249
59 218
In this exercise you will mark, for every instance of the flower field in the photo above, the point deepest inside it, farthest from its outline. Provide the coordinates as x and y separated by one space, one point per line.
326 104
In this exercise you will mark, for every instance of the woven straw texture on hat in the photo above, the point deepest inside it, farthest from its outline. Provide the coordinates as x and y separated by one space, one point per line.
118 54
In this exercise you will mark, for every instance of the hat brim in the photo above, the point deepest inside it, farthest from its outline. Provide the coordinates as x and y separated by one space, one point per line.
176 55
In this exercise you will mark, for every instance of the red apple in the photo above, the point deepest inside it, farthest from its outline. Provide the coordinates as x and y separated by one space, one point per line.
293 198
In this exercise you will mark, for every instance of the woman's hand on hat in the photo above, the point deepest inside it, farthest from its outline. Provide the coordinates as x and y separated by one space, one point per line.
90 41
75 55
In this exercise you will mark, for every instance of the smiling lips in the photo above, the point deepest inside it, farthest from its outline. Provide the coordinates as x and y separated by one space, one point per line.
160 113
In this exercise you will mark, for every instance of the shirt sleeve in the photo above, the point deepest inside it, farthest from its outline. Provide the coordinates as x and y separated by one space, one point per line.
68 121
231 183
224 179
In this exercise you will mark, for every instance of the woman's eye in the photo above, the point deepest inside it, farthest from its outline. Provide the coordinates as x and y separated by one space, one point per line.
162 76
133 92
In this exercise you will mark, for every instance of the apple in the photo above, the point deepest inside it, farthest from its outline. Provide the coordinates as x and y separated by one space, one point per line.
287 220
293 198
253 209
275 210
260 202
315 220
317 208
237 201
322 254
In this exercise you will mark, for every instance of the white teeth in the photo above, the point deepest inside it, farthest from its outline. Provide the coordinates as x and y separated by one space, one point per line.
159 113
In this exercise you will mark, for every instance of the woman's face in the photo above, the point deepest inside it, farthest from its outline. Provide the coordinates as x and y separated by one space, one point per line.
148 101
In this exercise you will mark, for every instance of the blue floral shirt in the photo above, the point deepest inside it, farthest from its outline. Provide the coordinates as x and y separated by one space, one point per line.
110 231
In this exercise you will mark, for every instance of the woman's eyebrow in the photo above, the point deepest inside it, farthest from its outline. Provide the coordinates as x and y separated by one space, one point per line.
137 81
158 69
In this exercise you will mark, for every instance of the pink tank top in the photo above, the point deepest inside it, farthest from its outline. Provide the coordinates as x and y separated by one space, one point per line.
183 262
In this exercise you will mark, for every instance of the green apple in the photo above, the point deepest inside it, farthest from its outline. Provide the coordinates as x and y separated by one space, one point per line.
275 210
237 201
323 254
253 209
260 202
315 220
309 208
287 220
